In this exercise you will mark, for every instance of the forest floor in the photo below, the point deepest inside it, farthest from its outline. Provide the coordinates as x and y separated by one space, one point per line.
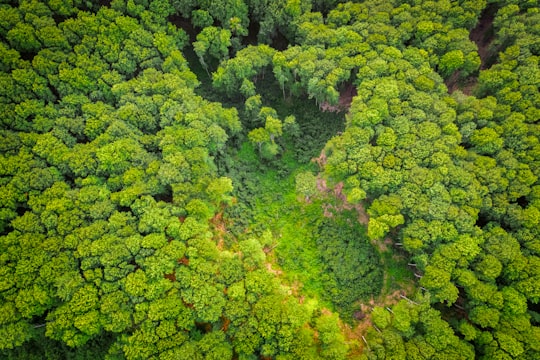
345 100
482 35
266 201
398 279
294 256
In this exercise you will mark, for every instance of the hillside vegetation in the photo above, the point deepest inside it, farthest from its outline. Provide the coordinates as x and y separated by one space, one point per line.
269 179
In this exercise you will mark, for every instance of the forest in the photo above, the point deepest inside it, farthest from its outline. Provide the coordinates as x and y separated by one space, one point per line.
269 179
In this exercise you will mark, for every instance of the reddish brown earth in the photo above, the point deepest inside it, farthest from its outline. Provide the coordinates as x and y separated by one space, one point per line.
337 192
219 227
356 335
345 100
482 35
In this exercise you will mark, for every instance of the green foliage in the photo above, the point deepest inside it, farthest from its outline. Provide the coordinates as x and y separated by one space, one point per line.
306 184
351 270
332 342
381 317
212 42
450 62
248 62
140 220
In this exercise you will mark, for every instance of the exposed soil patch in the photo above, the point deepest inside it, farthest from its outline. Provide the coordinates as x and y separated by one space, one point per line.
337 191
363 216
219 229
383 245
359 331
345 99
482 35
323 188
454 82
171 277
273 271
321 161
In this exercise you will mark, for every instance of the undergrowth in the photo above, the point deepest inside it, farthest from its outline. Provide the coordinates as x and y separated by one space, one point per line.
327 259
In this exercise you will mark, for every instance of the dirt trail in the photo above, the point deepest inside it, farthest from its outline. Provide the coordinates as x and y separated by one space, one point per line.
482 35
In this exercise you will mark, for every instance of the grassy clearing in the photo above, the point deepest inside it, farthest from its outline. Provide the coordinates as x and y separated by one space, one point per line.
397 274
322 259
328 259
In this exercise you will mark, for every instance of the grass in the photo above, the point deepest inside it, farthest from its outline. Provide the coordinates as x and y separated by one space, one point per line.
268 201
398 274
267 198
297 252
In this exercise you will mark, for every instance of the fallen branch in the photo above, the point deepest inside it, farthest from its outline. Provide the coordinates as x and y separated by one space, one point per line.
406 298
363 338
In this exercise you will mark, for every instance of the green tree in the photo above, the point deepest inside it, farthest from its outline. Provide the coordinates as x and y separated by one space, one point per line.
212 43
306 184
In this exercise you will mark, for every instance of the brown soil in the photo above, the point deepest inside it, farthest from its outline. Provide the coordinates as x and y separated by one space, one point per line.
321 160
171 276
345 100
337 191
382 246
219 228
273 271
483 36
226 323
355 335
363 216
466 86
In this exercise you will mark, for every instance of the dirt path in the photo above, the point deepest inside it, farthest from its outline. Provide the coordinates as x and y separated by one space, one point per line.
482 35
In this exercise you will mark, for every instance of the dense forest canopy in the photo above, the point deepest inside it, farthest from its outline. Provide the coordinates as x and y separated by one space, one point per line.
269 179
